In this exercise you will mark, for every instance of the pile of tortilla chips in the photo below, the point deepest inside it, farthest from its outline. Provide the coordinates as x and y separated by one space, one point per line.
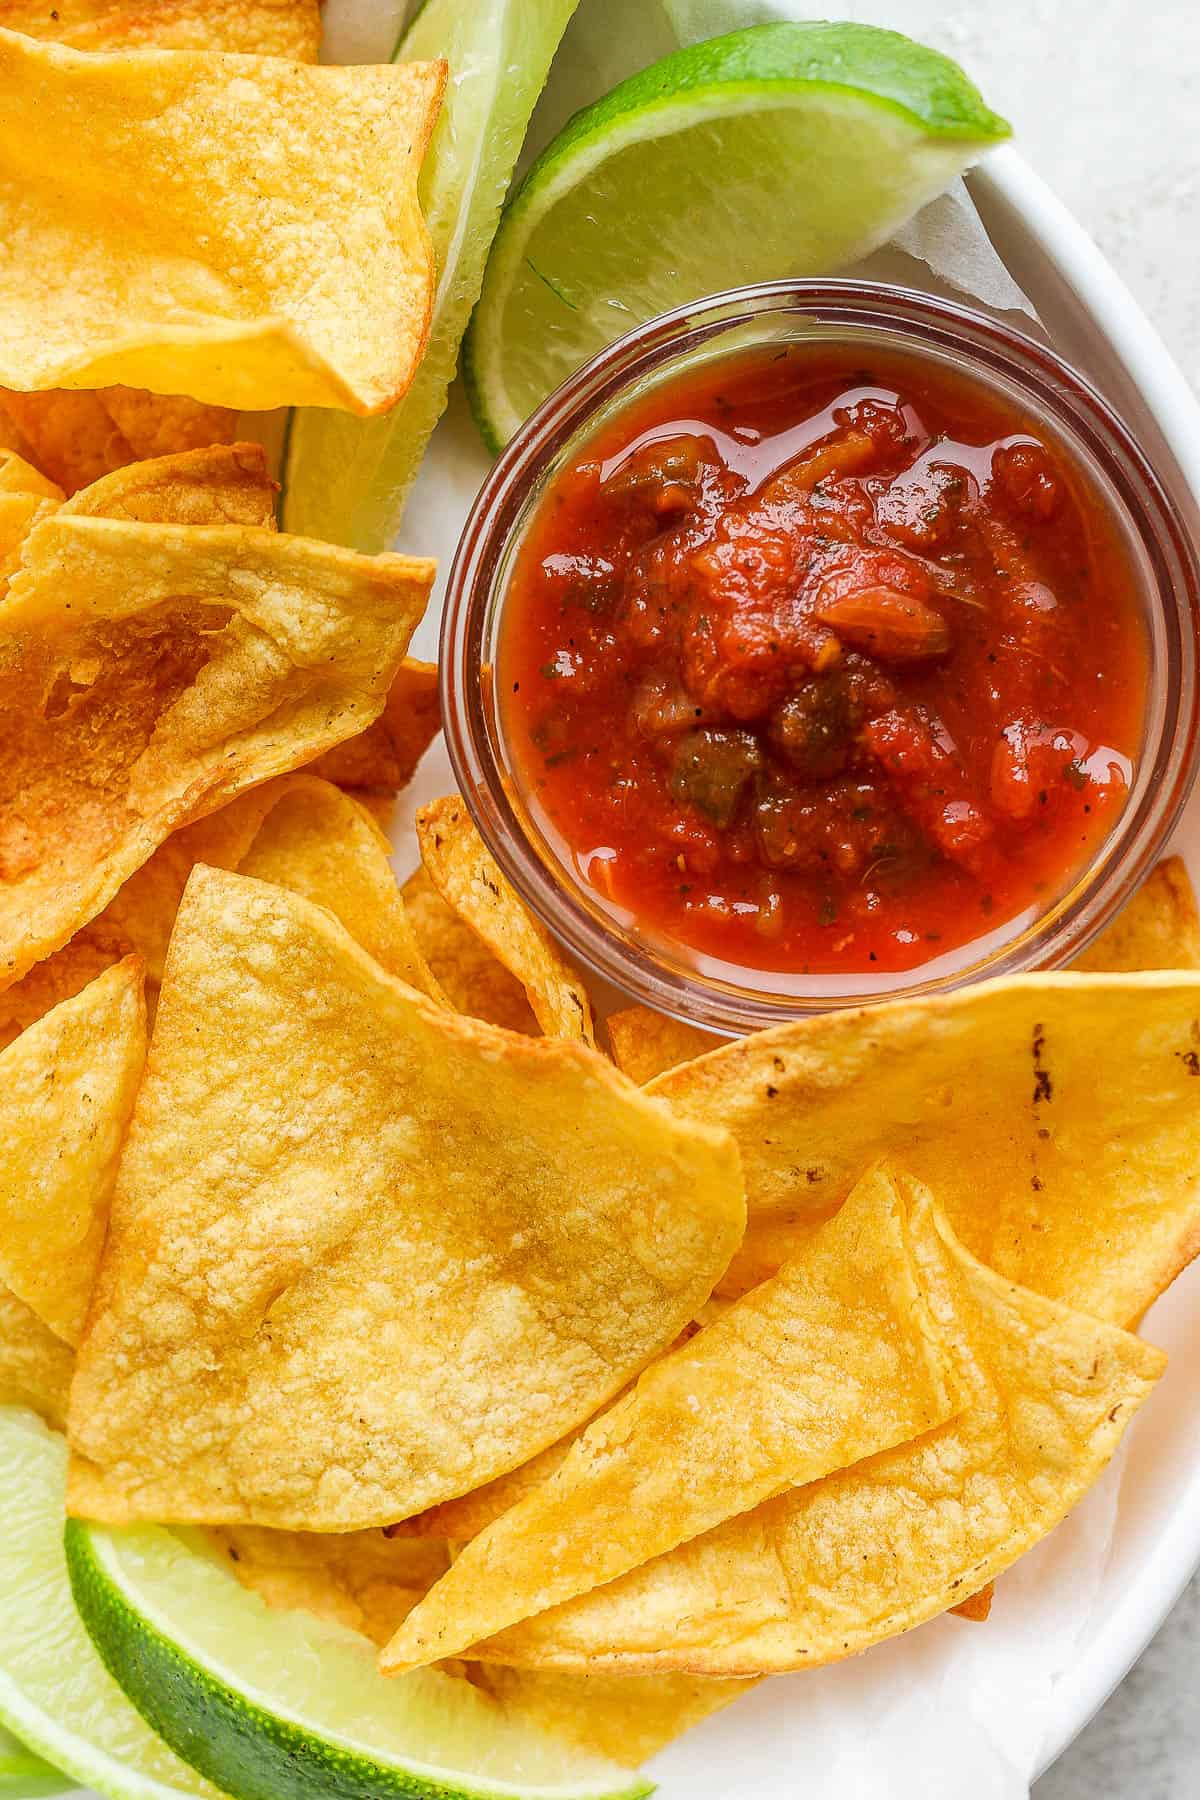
617 1382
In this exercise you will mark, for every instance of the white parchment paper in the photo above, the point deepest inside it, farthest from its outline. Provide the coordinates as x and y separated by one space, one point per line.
954 1710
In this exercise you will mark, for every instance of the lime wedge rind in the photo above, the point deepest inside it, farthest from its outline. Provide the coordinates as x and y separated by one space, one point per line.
24 1776
274 1706
784 149
55 1694
346 479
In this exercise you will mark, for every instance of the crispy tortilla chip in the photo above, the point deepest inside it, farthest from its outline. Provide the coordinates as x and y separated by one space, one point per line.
18 476
223 485
1158 929
167 424
35 1366
979 1607
19 513
150 674
469 880
318 842
312 280
466 971
290 28
629 1718
364 1254
646 1043
822 1571
96 948
1057 1118
68 1086
385 756
357 1578
834 1360
72 436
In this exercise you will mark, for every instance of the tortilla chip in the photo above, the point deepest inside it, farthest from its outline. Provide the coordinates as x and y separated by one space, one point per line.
836 1359
68 1086
979 1607
290 28
645 1043
153 672
166 424
1057 1118
1158 929
19 513
35 1366
312 282
469 880
356 1578
823 1571
471 978
223 485
96 948
318 842
629 1718
385 756
72 436
18 476
340 1284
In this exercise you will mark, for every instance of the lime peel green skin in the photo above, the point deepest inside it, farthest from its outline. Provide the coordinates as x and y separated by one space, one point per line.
250 1753
780 60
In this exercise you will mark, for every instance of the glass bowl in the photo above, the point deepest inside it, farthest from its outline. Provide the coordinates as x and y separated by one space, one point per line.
671 978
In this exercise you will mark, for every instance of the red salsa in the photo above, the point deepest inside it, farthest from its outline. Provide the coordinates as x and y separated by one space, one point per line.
817 664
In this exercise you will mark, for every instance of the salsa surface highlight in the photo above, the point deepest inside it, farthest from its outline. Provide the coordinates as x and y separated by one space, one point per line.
823 661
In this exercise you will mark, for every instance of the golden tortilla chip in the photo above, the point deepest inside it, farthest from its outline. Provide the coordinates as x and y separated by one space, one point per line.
96 948
469 880
646 1043
385 756
72 436
471 978
359 1579
629 1718
290 28
822 1571
150 674
1057 1118
318 842
1158 929
223 485
19 476
312 281
35 1366
67 1086
836 1359
979 1607
364 1254
167 424
19 513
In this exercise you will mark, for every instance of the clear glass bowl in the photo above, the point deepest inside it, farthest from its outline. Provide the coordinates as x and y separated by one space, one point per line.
668 977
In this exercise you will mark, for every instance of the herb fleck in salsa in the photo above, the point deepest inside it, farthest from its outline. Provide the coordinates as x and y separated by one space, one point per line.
817 665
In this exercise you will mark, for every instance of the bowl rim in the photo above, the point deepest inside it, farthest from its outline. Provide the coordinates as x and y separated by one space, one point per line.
921 322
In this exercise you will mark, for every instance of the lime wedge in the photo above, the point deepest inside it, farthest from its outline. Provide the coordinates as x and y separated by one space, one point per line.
345 479
779 150
284 1706
24 1775
54 1691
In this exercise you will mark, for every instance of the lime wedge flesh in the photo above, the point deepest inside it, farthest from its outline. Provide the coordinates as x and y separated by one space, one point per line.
780 150
24 1775
345 479
54 1691
283 1706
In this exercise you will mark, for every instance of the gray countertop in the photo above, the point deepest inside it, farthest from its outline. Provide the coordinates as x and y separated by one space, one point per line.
1105 98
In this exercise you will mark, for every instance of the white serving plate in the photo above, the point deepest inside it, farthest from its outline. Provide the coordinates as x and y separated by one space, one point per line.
758 1749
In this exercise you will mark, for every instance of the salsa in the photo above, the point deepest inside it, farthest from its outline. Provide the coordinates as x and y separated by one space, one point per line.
816 664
